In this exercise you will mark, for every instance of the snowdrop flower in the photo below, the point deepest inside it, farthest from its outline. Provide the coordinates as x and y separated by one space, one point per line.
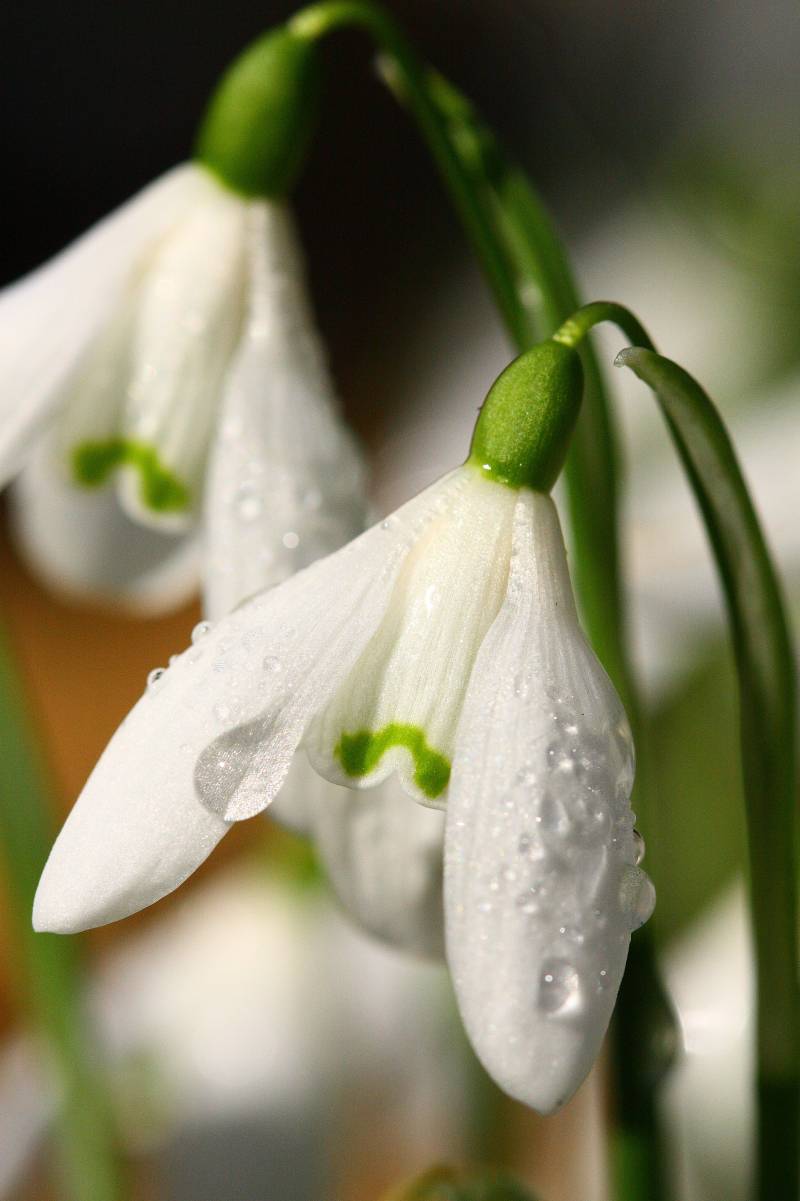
441 647
165 368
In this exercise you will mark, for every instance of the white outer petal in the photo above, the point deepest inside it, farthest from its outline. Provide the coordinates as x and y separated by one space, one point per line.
540 882
48 318
285 483
212 741
189 314
81 543
416 668
383 856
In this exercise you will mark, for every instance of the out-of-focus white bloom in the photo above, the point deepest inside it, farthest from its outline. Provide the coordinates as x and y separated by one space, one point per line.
444 637
708 1097
170 354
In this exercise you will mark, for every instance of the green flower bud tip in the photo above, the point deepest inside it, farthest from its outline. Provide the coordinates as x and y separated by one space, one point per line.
260 118
524 428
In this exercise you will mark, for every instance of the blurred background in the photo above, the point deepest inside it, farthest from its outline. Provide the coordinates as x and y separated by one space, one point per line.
256 1046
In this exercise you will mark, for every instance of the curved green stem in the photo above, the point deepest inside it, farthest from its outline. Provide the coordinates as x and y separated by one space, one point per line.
767 678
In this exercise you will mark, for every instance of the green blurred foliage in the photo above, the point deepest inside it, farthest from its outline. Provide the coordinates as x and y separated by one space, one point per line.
697 843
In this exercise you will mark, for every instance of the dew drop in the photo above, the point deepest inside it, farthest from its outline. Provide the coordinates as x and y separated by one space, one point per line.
154 677
248 503
559 986
220 775
638 848
200 630
637 896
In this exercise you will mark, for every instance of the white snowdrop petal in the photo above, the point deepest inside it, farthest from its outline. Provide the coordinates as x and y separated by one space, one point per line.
188 320
541 884
398 708
383 856
82 544
213 737
285 483
48 319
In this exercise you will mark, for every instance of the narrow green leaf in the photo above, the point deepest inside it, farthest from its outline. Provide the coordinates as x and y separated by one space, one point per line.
767 676
51 978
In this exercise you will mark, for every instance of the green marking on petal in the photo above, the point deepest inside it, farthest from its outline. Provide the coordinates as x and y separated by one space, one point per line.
161 490
361 752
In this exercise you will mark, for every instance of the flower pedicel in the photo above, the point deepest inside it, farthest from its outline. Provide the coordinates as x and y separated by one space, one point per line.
441 645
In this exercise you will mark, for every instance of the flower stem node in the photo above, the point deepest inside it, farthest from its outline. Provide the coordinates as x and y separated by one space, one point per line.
525 425
260 118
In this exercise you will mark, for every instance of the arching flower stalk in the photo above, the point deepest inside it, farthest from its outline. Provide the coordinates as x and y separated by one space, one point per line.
165 394
441 647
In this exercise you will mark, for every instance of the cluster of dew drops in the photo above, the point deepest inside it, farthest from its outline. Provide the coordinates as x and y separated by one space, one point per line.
575 810
271 664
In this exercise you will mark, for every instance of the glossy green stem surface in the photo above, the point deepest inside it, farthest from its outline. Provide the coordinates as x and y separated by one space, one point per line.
51 979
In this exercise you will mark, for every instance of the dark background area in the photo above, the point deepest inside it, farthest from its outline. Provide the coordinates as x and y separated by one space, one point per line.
98 98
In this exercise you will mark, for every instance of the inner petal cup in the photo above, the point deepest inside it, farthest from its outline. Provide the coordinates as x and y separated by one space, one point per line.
188 320
399 706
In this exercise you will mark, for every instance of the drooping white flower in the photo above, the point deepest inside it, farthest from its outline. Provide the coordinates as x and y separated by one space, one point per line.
442 648
163 368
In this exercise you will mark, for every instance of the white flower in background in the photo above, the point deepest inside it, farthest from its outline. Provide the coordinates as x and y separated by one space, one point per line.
164 366
441 646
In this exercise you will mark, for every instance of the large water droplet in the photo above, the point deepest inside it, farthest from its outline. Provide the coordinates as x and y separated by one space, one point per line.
248 502
559 986
154 677
638 848
637 896
223 766
200 630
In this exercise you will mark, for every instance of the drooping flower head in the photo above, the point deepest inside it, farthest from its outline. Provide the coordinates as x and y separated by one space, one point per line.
442 649
165 393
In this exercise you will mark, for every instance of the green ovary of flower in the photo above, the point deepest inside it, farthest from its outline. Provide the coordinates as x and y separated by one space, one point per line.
361 752
161 490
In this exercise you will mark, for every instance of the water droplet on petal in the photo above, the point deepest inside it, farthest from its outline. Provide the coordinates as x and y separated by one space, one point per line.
559 986
155 676
200 630
637 896
638 848
248 502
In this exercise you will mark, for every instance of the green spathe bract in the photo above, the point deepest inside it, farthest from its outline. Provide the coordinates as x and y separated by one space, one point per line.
361 752
161 490
260 118
523 431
